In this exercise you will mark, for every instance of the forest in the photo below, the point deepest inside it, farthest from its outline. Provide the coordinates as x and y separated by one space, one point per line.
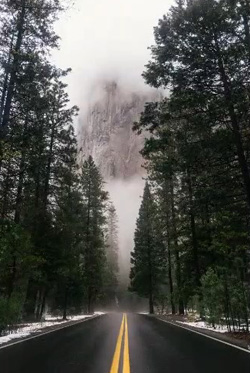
58 227
192 235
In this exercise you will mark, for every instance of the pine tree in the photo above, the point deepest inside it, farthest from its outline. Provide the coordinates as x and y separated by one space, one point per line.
148 258
196 177
44 207
207 39
47 153
93 246
68 282
27 27
197 153
112 251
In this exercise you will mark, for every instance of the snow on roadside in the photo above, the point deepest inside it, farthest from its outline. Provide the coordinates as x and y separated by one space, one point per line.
204 325
27 329
70 318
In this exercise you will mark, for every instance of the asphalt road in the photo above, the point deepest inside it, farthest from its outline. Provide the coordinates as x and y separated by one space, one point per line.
136 344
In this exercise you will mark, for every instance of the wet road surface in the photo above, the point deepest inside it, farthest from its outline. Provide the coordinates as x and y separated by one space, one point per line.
119 343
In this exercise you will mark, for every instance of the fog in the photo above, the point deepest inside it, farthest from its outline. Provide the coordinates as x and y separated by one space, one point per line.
125 195
107 39
103 40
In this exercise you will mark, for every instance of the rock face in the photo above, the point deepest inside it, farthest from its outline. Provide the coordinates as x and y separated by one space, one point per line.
106 132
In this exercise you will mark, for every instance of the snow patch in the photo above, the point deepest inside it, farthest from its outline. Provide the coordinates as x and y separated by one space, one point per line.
24 330
204 325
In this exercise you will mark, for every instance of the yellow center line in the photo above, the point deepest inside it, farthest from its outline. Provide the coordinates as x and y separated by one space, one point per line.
126 364
117 354
116 358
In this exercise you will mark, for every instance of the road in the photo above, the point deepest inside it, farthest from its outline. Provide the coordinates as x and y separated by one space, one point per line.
116 343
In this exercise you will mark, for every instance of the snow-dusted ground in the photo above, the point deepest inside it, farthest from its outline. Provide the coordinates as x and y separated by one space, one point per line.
204 325
27 329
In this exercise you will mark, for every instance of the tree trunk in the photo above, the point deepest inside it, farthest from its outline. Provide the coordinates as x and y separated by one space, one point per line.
14 68
177 254
3 97
48 169
65 304
247 31
42 308
169 254
245 9
88 264
193 231
31 300
38 304
12 277
6 190
20 178
89 307
170 279
6 78
151 304
41 302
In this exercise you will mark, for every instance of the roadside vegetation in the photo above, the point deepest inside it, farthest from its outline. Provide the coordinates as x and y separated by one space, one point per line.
192 241
58 230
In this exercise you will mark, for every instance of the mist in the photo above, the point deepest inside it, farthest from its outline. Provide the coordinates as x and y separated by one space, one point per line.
107 40
125 195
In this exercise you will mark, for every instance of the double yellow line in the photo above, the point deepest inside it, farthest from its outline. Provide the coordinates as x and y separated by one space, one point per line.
117 354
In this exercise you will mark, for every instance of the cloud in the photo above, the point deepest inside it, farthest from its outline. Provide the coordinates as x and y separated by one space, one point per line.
107 39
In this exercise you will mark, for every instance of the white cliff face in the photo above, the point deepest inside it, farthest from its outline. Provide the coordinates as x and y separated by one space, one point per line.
106 132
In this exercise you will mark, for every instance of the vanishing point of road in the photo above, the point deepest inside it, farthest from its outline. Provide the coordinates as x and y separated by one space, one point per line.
123 343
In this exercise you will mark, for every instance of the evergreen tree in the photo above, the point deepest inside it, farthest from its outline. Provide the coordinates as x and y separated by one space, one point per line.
68 277
208 41
27 32
48 149
112 251
197 154
35 132
52 222
148 258
93 245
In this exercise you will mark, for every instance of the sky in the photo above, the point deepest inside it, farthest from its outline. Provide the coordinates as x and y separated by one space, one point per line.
109 39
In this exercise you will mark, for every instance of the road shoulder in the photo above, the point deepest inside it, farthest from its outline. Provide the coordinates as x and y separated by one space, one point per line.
221 337
47 330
